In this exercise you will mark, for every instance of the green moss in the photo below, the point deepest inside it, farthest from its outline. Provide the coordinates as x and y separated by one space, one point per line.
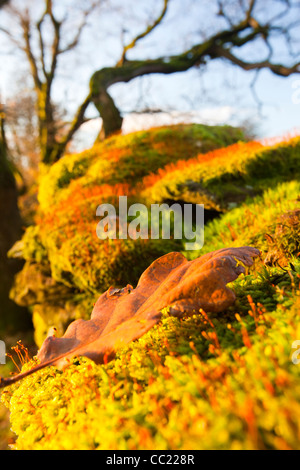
253 220
111 262
187 384
32 247
221 381
228 176
59 176
59 313
63 242
128 158
64 239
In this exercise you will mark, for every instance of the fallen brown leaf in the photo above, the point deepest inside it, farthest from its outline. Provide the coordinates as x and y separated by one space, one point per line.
124 315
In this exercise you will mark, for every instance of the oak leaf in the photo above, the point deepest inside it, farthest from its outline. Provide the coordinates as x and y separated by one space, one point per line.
124 315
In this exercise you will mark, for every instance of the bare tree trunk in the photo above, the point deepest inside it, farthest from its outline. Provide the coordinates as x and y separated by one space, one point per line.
12 317
112 119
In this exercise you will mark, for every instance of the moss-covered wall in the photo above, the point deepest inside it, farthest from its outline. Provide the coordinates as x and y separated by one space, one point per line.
223 381
64 257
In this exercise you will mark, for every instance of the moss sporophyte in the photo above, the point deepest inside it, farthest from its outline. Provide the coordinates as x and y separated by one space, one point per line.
160 221
119 318
202 381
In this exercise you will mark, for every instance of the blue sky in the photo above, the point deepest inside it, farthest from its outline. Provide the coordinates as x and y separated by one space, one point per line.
283 112
278 116
219 93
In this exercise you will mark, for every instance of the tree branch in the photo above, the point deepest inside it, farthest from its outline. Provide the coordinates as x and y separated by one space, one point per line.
74 43
13 39
25 23
55 44
277 69
252 4
75 125
41 42
218 46
3 3
147 31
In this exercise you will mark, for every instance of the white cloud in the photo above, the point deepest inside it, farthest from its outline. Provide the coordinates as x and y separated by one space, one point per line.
140 121
211 116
